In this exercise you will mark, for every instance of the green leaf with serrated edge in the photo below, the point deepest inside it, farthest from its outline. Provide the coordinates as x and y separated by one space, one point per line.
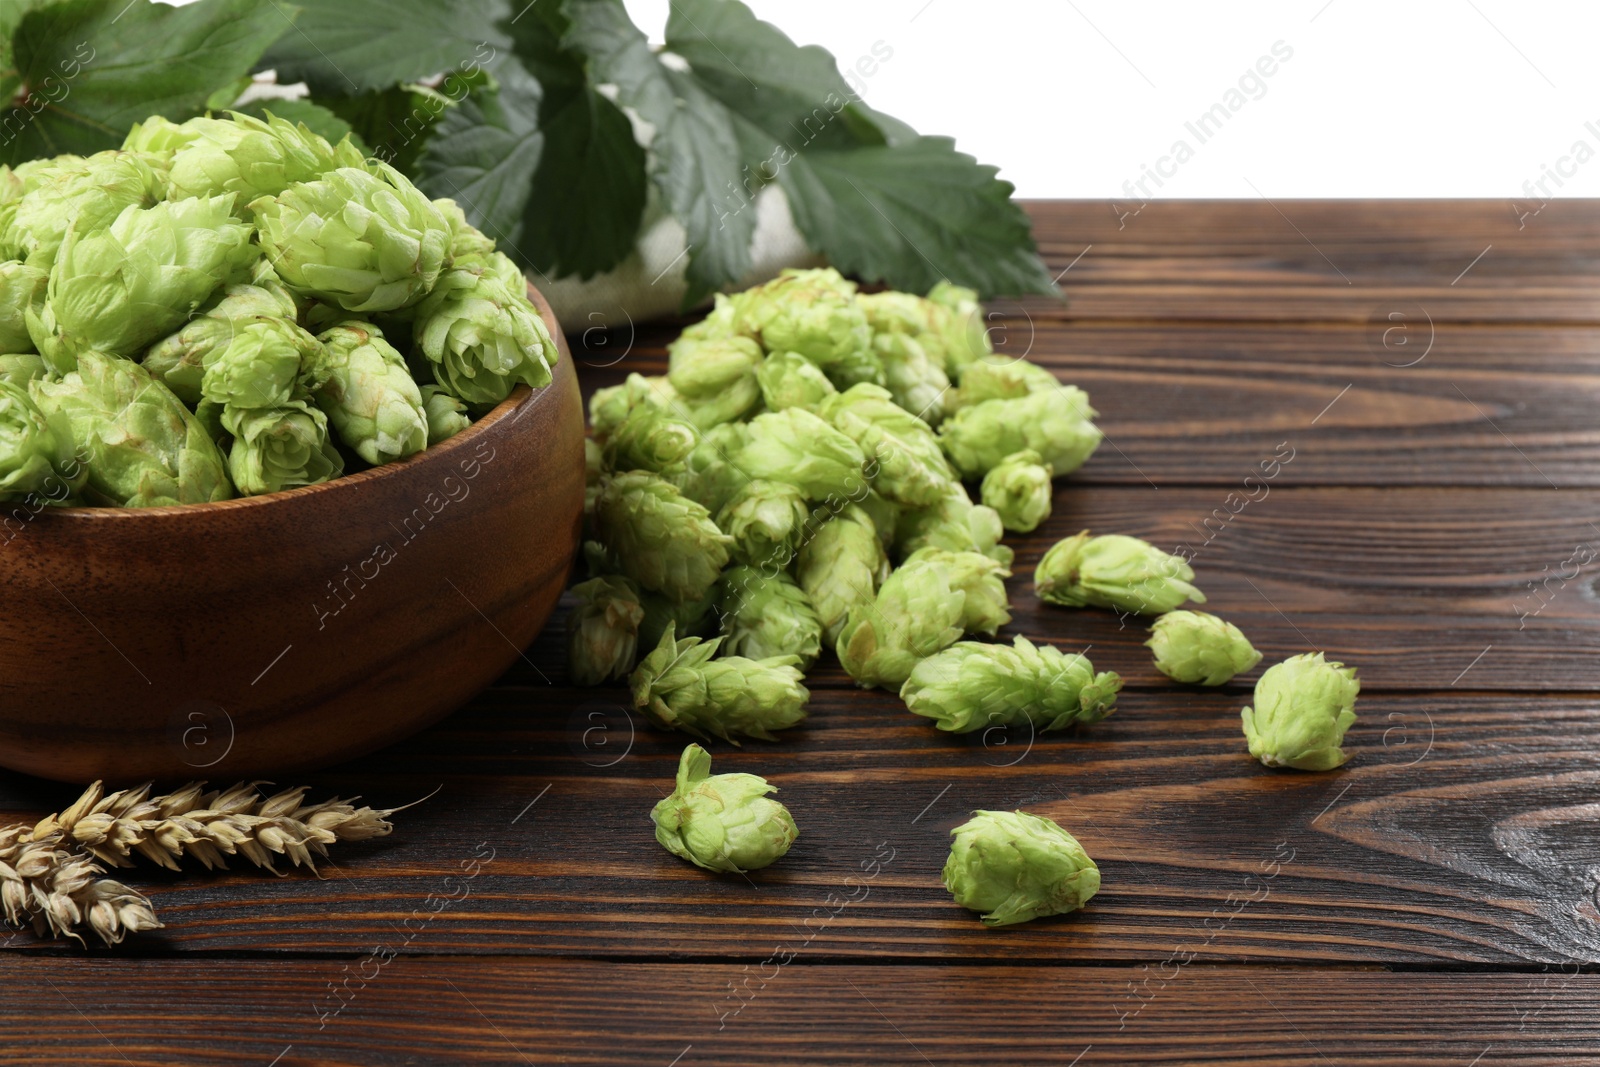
316 118
483 153
11 12
93 68
913 214
695 152
395 122
590 190
345 47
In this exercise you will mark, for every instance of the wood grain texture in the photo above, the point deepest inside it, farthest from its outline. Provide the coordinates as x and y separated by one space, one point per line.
451 1011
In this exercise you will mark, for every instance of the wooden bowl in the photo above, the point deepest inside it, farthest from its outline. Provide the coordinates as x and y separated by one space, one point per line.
280 633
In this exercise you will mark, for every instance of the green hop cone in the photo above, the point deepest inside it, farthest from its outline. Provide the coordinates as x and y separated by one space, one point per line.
767 615
280 448
916 379
1019 490
1200 649
915 614
722 822
840 567
35 456
119 289
716 378
251 157
766 521
681 687
603 630
447 416
971 686
609 407
87 195
364 240
663 540
1014 867
1116 572
159 138
143 448
263 364
22 367
903 455
1303 706
180 360
885 516
960 324
466 240
981 578
650 439
368 395
691 618
797 447
812 313
993 378
790 380
711 475
481 334
21 287
954 522
1054 423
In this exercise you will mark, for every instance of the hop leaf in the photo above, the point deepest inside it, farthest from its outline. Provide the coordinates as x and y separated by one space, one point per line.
971 686
722 822
1014 867
1117 572
680 687
1200 649
1303 706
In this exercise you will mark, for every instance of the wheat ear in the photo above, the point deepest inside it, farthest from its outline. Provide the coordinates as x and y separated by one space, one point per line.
47 886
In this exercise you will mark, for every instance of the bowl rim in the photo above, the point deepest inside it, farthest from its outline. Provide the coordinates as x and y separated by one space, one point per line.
520 401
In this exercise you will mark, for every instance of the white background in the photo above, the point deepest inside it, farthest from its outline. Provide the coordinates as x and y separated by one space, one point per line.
1070 98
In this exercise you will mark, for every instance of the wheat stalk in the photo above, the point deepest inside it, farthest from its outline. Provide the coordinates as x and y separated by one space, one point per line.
45 885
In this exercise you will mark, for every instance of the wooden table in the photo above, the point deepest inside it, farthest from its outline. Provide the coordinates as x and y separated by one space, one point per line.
1431 368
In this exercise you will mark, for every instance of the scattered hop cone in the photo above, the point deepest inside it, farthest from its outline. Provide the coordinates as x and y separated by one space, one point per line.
119 289
915 614
710 474
971 686
722 822
960 323
1200 649
21 287
840 567
1014 867
993 378
265 363
766 521
953 523
716 378
885 515
280 448
363 240
813 313
251 157
35 456
1019 490
981 579
369 396
1117 572
1054 423
481 334
466 240
767 615
903 456
797 447
447 416
680 687
650 439
86 195
663 541
22 368
1303 706
691 618
790 380
143 448
610 407
916 379
603 630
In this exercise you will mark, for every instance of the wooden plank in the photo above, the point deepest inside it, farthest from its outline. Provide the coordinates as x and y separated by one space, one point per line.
1461 831
1322 260
1440 404
454 1011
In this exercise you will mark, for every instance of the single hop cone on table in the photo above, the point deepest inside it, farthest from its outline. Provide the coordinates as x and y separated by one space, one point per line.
915 614
603 630
1014 867
765 615
681 687
972 686
1114 571
1020 491
662 540
722 822
1302 708
1200 649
